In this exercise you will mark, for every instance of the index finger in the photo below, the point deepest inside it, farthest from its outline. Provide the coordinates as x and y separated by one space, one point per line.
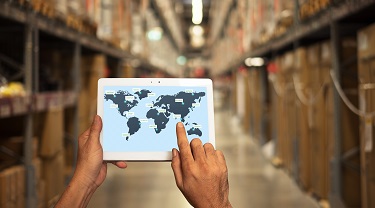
183 143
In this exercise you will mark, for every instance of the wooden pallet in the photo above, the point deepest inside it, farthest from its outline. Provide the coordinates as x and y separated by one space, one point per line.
313 7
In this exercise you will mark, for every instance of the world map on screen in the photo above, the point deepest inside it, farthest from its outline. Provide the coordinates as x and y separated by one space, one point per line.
149 115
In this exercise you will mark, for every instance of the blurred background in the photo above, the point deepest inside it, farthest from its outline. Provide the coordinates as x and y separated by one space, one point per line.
294 95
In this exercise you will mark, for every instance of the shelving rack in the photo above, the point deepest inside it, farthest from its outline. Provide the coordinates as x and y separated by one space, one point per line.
33 27
342 18
313 29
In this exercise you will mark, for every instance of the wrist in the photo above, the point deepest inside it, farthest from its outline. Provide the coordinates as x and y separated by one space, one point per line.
77 194
83 183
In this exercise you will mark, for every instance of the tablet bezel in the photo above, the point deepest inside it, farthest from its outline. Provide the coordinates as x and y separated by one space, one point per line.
154 156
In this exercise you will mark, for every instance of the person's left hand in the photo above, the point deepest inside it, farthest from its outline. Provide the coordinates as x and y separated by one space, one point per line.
91 170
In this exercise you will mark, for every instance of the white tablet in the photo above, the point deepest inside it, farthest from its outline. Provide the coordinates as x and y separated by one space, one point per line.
140 115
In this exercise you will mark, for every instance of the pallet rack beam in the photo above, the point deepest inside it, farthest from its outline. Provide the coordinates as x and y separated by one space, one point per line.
31 200
336 186
76 76
60 30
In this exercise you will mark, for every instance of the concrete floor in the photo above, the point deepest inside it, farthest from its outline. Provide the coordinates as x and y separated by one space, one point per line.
253 181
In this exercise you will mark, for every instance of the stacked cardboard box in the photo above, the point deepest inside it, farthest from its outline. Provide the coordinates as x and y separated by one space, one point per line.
92 69
12 187
286 109
49 171
304 138
366 72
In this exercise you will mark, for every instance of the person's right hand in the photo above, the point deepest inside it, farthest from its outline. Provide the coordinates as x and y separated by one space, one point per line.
200 171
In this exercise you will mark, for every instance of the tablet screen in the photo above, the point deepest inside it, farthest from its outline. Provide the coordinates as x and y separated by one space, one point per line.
144 118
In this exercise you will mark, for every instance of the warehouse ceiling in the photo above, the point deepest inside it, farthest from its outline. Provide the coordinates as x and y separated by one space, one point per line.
184 10
189 38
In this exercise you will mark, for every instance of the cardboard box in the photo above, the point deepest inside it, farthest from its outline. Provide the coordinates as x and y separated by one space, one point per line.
366 72
92 69
12 186
53 175
366 51
16 146
41 193
52 137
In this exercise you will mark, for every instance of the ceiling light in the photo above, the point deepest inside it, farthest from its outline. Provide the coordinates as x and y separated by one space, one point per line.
155 34
197 41
197 11
254 62
196 30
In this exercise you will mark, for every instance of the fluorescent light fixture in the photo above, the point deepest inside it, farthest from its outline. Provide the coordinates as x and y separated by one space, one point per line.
155 34
197 11
197 41
197 30
257 61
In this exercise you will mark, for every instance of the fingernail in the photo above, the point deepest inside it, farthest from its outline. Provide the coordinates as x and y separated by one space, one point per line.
174 152
95 119
180 125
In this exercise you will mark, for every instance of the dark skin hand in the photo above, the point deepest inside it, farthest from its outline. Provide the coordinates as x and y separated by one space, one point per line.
200 172
90 171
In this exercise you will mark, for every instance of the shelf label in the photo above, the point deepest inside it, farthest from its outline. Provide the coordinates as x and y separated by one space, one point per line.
5 110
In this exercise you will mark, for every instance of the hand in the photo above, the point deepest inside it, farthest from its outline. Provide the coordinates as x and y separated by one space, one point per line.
90 171
200 171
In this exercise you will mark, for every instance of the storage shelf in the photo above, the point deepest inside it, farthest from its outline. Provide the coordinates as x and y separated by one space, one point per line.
309 28
59 29
15 106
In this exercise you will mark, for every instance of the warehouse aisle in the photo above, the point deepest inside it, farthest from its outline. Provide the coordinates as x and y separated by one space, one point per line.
254 182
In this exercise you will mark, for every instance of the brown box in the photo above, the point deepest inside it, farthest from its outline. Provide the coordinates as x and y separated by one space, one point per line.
288 62
41 193
16 145
53 175
52 138
302 67
92 69
366 52
366 72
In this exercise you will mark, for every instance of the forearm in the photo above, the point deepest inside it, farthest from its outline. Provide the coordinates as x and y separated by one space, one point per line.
75 195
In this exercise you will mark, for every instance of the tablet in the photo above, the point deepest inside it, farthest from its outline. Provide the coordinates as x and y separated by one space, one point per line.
140 115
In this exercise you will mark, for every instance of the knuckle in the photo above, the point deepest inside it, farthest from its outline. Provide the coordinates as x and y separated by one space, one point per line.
196 142
208 146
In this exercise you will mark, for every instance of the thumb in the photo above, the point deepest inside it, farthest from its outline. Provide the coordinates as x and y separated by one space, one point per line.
96 128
